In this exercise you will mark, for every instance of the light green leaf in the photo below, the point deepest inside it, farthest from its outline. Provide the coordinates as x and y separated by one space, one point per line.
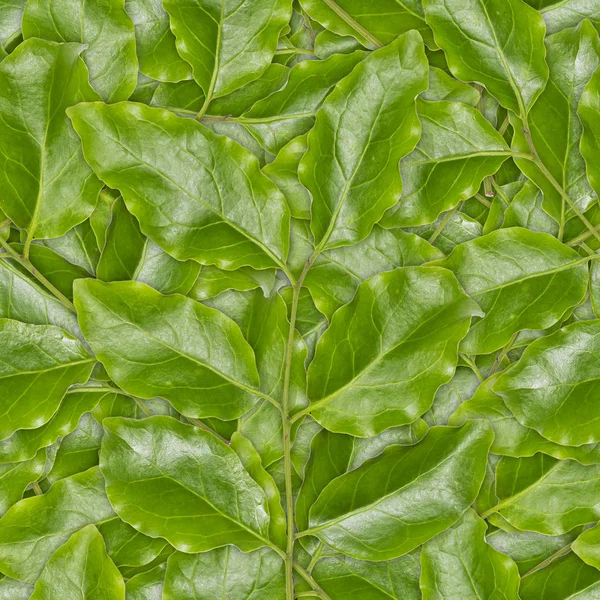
345 578
106 32
179 482
444 87
457 150
38 363
189 354
521 279
373 25
397 501
35 527
232 215
351 166
388 351
15 477
572 55
459 564
227 44
525 486
589 113
568 13
146 586
212 282
526 210
45 192
79 245
80 569
587 546
479 39
225 573
11 14
553 387
337 273
155 42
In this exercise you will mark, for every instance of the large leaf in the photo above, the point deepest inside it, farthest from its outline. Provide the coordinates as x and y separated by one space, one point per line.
103 27
155 42
47 185
457 150
521 279
206 199
459 564
178 349
38 363
225 573
351 165
395 502
179 482
80 569
569 13
227 43
15 477
555 385
572 55
388 351
35 527
480 42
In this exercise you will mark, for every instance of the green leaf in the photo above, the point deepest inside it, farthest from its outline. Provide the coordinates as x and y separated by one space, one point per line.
227 44
79 245
45 192
373 25
524 485
459 564
38 364
189 354
526 210
212 282
34 528
479 41
569 13
146 586
106 32
589 113
15 477
395 502
351 166
11 14
337 273
521 279
457 150
80 569
388 351
344 578
552 387
155 42
234 215
587 546
444 87
11 589
572 55
159 471
566 578
225 573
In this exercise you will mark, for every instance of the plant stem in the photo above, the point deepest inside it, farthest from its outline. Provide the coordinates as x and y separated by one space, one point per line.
205 427
26 263
473 366
564 550
309 579
315 557
434 236
37 489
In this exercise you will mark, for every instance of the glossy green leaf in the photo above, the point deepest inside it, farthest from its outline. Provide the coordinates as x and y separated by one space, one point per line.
227 44
104 29
175 481
10 589
393 503
79 245
388 351
206 176
147 585
521 280
48 187
351 167
479 41
457 150
38 364
225 573
589 113
444 87
11 14
212 282
15 477
155 42
459 564
569 13
572 55
208 371
344 578
553 387
34 528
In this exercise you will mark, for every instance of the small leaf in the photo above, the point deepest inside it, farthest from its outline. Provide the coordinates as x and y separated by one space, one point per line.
106 32
35 527
395 502
158 469
459 564
80 569
38 363
351 166
388 351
